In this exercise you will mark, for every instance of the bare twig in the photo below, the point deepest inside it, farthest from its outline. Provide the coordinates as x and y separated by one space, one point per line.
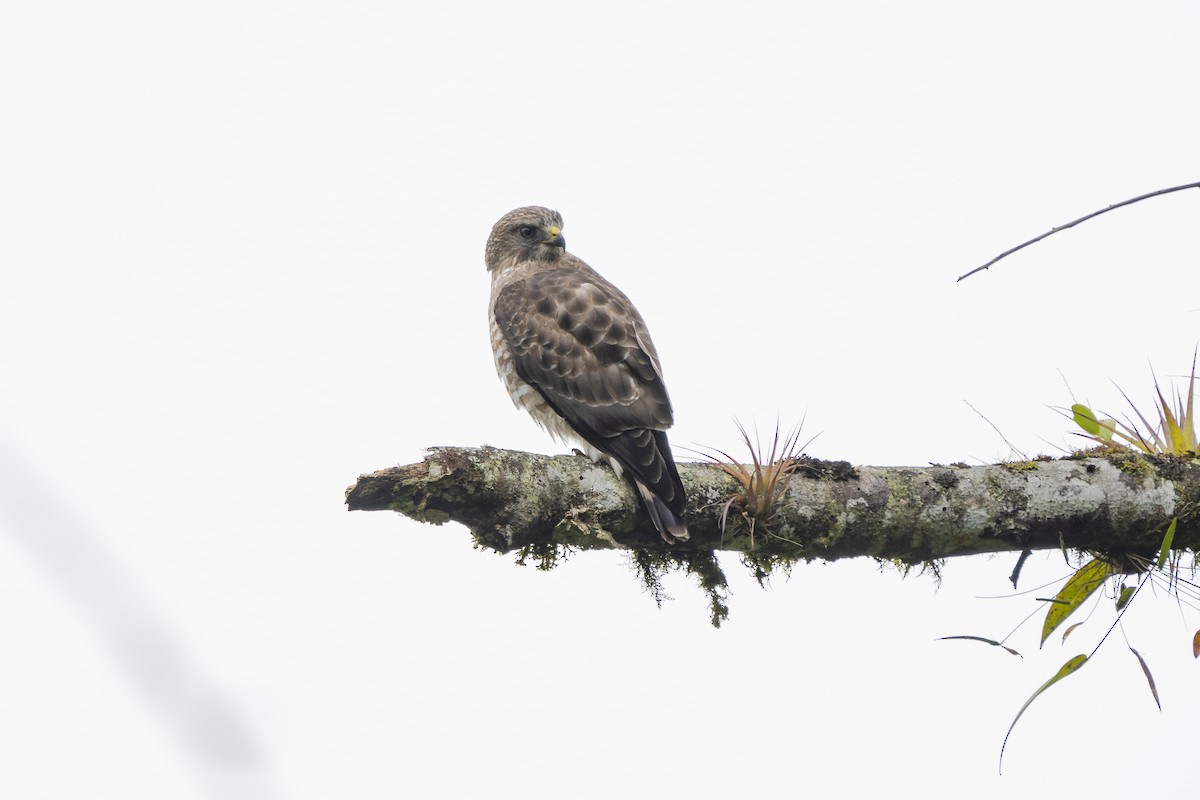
1011 446
1073 223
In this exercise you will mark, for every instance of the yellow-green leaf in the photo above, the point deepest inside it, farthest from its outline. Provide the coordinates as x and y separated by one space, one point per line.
1123 597
1085 419
1149 677
1165 552
1079 587
1170 426
1065 670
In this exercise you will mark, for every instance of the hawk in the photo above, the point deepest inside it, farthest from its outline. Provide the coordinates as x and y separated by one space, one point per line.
573 352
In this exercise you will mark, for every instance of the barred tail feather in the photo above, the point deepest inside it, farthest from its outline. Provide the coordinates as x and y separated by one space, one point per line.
672 526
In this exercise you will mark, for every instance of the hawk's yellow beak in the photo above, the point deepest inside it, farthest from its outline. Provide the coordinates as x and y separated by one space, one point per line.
555 237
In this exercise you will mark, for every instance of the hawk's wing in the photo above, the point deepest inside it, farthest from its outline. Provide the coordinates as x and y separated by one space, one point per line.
579 341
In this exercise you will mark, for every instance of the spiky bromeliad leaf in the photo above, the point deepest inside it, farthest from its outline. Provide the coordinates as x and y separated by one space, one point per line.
1079 587
1065 670
1149 677
1178 424
762 486
1175 431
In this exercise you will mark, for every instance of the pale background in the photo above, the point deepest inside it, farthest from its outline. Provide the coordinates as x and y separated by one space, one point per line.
241 248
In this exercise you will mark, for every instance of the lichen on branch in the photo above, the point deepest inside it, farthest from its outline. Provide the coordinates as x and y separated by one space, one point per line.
1110 501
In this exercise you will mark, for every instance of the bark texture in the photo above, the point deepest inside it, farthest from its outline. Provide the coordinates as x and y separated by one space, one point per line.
1116 502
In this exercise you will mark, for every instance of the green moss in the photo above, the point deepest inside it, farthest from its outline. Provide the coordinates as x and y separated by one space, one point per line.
763 565
1130 462
544 555
1020 466
903 495
906 567
654 565
411 500
572 532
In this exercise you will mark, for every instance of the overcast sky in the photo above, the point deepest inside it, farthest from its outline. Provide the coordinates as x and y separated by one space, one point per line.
241 248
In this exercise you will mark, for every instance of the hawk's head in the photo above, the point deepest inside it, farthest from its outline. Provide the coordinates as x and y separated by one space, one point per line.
532 233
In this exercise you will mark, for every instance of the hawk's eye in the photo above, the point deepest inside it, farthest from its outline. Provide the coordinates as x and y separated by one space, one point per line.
527 231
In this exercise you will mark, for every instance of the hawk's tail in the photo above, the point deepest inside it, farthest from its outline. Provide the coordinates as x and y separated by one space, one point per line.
672 526
645 454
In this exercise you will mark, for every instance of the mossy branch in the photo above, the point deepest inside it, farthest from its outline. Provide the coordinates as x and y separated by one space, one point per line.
1111 502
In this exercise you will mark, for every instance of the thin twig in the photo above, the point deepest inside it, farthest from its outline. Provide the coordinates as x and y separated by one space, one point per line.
1072 224
1011 446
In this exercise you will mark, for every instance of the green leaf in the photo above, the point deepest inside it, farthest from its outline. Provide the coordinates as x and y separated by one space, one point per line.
1065 670
1149 677
1123 597
992 642
1079 587
1085 419
1165 552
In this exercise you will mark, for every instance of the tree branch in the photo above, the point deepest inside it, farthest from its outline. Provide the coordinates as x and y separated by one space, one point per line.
1075 222
1117 502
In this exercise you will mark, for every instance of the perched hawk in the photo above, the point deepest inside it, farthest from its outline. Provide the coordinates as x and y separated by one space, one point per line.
574 352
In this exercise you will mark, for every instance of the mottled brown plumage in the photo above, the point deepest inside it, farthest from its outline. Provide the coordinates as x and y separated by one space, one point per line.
573 351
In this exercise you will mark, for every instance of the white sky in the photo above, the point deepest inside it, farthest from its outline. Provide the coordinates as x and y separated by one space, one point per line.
241 248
